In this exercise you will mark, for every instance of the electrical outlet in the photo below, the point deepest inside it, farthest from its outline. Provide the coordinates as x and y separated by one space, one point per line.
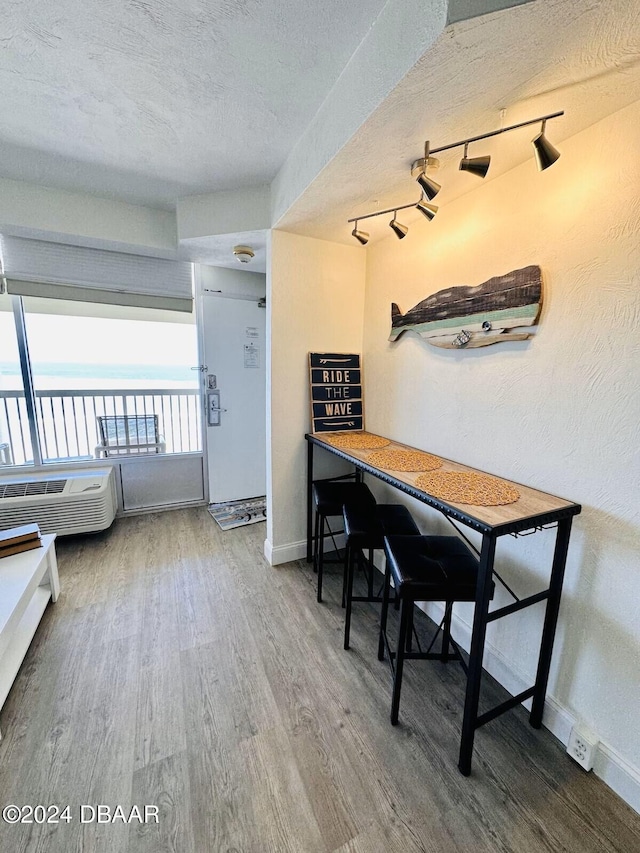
582 747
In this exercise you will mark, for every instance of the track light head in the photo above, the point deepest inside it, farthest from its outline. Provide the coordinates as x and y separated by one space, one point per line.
426 209
398 228
429 187
546 154
361 236
476 165
419 170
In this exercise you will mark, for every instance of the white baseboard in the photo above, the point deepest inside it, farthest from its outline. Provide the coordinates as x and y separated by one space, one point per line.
618 774
279 554
284 553
614 770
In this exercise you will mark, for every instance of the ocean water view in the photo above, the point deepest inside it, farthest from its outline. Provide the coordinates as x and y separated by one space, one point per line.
71 398
65 376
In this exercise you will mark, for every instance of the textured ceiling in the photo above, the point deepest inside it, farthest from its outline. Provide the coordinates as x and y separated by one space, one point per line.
149 100
581 56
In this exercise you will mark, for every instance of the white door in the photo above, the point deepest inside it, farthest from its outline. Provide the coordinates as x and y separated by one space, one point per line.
235 395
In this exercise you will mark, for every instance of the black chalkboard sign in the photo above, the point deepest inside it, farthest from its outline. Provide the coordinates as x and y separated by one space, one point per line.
336 392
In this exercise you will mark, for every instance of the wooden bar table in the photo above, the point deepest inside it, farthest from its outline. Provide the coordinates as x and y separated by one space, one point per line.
533 511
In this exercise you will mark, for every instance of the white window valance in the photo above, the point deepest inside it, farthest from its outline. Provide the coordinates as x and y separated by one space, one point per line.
58 271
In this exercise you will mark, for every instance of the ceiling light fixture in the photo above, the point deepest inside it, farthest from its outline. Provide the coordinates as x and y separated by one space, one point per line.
476 165
361 236
540 143
243 254
398 228
429 187
426 209
546 155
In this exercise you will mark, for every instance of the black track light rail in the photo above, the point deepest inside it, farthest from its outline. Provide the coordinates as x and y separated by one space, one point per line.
466 142
494 133
382 212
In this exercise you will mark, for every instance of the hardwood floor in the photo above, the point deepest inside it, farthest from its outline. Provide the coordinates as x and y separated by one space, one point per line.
178 670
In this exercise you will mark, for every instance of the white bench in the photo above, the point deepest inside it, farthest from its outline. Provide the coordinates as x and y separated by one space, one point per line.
27 582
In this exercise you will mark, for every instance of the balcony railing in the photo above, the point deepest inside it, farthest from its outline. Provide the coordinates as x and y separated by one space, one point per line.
68 425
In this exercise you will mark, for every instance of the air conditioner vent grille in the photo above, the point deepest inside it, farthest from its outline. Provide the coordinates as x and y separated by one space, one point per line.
41 487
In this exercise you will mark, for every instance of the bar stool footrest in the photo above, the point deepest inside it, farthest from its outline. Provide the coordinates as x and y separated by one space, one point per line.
513 702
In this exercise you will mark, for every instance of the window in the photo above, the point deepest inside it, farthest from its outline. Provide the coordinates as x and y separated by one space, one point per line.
100 367
15 440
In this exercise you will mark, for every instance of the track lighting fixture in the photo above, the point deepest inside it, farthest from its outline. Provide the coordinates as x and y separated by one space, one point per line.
546 154
429 187
426 209
398 228
361 236
476 165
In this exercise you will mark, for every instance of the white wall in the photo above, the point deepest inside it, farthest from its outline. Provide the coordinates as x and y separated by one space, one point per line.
28 210
227 212
233 283
560 413
315 303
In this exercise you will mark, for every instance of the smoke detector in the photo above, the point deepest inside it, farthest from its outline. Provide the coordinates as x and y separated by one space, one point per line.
243 254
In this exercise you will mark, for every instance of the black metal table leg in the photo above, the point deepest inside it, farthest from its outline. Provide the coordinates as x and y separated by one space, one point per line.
474 676
550 620
309 500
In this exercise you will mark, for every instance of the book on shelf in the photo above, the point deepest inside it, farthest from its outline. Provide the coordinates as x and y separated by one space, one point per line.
15 540
13 535
19 547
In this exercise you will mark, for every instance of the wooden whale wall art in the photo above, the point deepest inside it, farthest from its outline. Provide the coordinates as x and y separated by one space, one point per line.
504 308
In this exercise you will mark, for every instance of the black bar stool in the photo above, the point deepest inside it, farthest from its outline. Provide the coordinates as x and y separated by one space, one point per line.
365 529
330 497
424 568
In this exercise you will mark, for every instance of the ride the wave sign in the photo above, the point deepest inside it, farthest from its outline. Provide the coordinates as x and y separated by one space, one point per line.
336 392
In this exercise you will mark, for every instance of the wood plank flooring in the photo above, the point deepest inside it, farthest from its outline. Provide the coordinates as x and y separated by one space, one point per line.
178 670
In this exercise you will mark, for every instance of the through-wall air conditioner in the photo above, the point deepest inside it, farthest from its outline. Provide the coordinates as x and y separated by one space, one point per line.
62 502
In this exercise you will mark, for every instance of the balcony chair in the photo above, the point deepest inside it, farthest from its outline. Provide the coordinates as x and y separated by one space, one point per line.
122 435
6 457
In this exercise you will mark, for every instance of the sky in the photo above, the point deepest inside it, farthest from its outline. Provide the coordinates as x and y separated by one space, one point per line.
95 340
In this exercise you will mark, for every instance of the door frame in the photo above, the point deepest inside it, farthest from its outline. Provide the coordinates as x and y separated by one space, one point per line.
199 295
199 303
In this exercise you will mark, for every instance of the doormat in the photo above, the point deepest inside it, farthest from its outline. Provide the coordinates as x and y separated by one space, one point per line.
238 513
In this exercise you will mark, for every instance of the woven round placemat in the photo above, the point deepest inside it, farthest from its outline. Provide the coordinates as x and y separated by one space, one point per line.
404 460
357 441
467 487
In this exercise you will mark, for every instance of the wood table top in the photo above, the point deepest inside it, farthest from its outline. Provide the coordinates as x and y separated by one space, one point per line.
532 509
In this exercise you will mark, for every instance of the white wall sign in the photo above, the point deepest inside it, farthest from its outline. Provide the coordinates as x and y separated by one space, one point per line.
251 355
